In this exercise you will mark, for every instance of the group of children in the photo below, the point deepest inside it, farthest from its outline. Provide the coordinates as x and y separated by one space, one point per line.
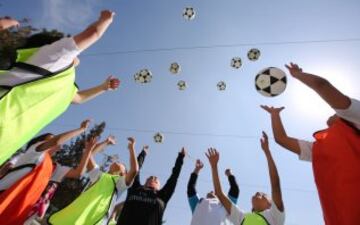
40 86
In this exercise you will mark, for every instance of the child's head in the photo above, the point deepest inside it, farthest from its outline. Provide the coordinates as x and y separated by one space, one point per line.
117 169
260 202
153 182
211 194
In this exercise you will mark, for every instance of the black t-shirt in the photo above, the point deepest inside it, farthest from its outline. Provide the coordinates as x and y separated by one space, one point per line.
145 206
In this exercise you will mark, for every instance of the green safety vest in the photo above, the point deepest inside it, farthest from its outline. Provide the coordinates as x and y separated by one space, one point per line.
25 109
254 219
91 206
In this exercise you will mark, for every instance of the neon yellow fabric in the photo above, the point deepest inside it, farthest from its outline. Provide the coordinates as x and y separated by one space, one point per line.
254 219
90 207
28 108
112 222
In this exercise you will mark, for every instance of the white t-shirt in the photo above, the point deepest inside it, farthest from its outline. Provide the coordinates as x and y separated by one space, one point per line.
273 215
121 187
31 156
210 212
351 114
53 57
59 173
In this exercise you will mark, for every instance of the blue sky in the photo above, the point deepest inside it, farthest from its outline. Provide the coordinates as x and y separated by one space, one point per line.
201 116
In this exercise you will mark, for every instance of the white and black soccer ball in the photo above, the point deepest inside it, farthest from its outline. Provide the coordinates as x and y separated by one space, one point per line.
189 13
158 138
253 54
182 85
221 86
175 68
270 82
143 76
236 62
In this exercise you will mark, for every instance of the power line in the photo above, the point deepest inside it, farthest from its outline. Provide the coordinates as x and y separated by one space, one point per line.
122 52
170 132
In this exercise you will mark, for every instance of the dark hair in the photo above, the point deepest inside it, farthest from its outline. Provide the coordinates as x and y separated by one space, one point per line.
37 139
42 38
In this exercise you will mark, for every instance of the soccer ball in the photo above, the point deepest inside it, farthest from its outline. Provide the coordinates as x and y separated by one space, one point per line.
175 68
189 13
158 137
143 76
236 62
270 82
253 54
221 86
181 85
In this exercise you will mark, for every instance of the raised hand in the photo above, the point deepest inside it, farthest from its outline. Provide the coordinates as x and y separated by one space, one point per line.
85 124
271 109
90 144
228 172
294 70
107 15
213 156
183 151
131 144
146 148
265 143
198 166
111 83
111 140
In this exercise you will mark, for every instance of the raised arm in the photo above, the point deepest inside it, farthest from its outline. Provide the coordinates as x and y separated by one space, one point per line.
167 191
111 83
99 148
213 157
140 159
323 87
7 22
95 31
134 166
274 176
193 198
234 191
280 134
81 168
64 137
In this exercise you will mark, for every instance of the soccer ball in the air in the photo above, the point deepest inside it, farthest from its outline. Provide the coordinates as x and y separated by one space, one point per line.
182 85
175 68
158 137
189 13
236 62
221 86
253 54
270 81
143 76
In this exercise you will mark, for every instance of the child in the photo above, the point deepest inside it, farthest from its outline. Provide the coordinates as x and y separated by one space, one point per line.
264 210
335 152
209 210
95 204
45 71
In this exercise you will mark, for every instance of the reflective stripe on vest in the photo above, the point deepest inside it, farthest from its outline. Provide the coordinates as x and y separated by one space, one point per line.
254 219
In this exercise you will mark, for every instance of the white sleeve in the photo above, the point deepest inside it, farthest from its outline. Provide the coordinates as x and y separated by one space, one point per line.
351 114
94 174
236 215
305 150
56 56
121 184
274 215
60 172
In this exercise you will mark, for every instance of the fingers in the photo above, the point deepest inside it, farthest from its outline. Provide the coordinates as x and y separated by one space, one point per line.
265 135
131 140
